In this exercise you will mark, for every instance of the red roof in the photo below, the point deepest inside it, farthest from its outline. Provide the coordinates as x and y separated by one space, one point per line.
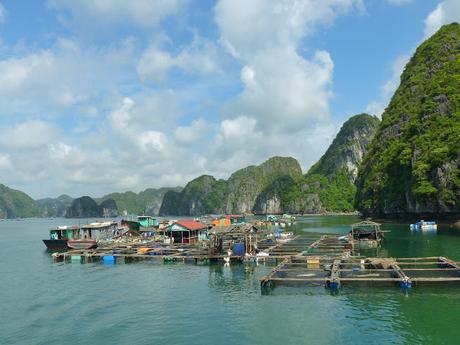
191 225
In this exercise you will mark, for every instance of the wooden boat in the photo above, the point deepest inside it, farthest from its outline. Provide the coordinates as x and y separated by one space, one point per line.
59 237
82 244
80 237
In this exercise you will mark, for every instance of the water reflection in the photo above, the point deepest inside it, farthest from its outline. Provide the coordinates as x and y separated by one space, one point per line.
234 278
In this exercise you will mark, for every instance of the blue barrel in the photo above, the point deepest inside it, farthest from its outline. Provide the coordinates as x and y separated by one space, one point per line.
108 259
238 249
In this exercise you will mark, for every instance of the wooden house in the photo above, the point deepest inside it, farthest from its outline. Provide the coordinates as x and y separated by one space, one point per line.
186 231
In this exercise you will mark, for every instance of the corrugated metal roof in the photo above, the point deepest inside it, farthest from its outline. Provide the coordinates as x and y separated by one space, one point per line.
191 224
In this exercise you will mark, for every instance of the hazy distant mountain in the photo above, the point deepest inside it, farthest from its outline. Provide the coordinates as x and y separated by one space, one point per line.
54 207
147 202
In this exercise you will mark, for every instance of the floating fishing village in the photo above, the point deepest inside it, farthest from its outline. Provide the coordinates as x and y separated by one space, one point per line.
299 260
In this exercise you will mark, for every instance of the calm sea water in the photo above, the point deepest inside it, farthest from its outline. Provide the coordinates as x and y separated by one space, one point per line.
42 302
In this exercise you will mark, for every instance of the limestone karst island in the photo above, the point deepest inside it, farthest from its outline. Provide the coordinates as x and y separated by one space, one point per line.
229 171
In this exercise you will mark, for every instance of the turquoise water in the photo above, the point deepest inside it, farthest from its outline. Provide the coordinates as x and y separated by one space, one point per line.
154 303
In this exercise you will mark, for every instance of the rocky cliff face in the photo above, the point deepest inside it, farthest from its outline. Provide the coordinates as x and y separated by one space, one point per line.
236 195
414 160
348 148
108 208
329 184
200 196
247 186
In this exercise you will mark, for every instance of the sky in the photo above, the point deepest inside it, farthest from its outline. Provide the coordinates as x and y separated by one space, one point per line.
98 96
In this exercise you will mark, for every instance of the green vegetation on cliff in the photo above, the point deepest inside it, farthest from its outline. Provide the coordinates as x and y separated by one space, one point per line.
83 207
236 195
329 184
16 204
414 160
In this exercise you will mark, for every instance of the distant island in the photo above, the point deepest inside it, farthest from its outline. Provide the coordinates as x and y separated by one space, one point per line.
408 164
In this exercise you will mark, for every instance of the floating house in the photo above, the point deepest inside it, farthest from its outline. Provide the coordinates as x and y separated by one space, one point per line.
237 238
186 231
141 224
229 219
235 218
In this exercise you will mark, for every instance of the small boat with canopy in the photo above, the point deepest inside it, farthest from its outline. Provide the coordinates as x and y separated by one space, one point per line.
366 234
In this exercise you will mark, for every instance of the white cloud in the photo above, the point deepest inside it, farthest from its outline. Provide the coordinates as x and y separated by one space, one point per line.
102 13
57 80
241 126
124 122
2 13
5 162
190 134
28 135
199 57
15 72
389 87
399 2
121 132
283 89
59 151
446 12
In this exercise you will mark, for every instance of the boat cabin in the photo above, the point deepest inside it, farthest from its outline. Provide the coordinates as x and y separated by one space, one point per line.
147 221
97 230
65 232
186 231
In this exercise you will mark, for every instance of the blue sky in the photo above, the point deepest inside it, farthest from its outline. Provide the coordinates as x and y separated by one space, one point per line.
100 96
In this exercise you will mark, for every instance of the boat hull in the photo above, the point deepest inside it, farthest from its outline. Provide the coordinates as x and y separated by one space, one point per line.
56 244
82 244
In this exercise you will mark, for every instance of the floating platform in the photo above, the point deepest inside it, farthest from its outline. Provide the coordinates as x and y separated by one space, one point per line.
335 272
267 250
311 259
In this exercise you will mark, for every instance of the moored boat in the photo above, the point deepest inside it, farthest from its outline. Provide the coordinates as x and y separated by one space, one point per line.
60 236
82 244
424 225
80 237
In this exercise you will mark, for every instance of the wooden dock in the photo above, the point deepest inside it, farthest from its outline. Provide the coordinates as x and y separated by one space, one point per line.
267 250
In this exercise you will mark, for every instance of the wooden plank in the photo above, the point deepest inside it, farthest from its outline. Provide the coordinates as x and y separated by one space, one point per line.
334 279
405 280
